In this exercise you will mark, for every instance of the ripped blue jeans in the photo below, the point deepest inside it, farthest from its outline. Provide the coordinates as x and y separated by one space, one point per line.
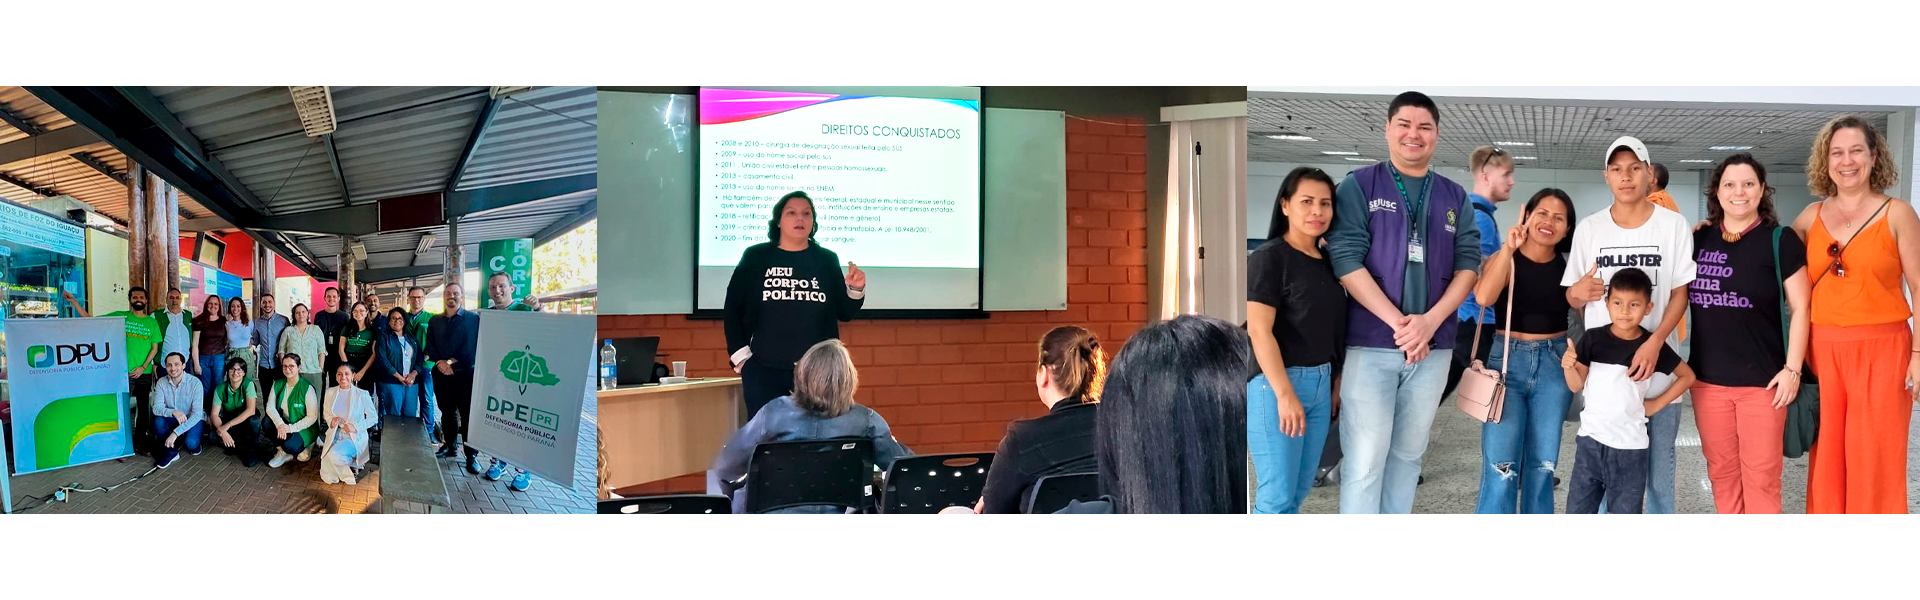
1519 453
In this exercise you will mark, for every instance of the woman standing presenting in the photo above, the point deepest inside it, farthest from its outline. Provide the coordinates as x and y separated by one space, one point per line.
1862 243
1746 372
1529 337
1290 405
786 295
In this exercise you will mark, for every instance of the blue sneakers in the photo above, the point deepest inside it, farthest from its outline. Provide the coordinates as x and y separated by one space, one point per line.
473 464
496 470
521 482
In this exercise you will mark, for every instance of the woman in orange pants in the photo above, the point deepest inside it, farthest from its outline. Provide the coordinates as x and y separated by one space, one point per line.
1864 243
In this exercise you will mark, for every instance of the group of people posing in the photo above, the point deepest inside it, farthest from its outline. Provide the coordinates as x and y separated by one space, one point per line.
1374 294
1165 431
195 384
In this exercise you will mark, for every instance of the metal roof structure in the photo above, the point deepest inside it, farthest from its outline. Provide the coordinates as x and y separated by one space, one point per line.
43 155
515 165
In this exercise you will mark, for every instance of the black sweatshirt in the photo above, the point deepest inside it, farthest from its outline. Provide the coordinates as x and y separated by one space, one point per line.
782 302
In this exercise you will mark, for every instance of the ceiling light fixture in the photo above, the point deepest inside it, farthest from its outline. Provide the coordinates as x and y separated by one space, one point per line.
1517 144
1526 158
1363 159
1291 137
314 103
1697 160
1726 148
1339 153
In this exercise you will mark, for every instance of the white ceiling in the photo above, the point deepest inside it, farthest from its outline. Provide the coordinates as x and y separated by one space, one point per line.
1563 137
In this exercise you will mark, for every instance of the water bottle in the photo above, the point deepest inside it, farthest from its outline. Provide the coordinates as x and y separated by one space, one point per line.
607 380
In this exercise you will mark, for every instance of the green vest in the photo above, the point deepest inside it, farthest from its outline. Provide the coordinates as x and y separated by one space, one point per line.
419 325
293 405
232 403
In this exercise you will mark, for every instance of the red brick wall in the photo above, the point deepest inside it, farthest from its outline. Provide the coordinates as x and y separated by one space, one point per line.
953 385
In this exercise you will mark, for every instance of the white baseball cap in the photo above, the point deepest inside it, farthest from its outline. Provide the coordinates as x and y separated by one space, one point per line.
1631 143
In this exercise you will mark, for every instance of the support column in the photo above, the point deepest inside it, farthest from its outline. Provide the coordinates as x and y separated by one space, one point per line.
159 256
343 271
137 230
170 214
456 260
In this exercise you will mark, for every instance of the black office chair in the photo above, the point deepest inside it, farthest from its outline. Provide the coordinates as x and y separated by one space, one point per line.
672 504
927 484
1053 492
836 472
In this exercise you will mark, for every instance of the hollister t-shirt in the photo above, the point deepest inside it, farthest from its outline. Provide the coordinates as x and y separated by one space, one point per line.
1662 247
1616 410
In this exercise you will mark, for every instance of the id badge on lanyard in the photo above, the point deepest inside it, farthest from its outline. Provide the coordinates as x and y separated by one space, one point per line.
1416 249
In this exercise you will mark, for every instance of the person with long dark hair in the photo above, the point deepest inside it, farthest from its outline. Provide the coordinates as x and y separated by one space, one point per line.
786 295
209 344
1521 450
1746 370
1865 243
1068 377
239 333
236 404
356 346
400 370
821 407
1296 319
1171 434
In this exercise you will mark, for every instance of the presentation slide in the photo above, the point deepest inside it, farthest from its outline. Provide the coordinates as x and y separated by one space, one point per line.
894 174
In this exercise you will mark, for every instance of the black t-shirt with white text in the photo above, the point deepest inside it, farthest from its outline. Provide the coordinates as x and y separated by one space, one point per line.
782 302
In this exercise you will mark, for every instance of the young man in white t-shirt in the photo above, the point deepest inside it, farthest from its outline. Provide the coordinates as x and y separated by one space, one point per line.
1635 233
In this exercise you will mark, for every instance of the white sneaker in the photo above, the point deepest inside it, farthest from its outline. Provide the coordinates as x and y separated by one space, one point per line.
305 454
280 457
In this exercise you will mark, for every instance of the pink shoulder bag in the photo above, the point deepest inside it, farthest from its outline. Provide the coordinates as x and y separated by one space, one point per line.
1483 392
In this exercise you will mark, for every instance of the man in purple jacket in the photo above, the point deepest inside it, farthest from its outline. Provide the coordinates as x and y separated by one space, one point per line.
1405 246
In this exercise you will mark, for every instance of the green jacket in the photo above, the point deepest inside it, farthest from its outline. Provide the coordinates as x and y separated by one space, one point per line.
160 340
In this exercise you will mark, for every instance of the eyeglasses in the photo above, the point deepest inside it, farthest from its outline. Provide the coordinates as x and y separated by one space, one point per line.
1833 252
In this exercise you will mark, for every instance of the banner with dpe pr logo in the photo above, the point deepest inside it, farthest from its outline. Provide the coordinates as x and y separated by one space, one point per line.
531 373
69 392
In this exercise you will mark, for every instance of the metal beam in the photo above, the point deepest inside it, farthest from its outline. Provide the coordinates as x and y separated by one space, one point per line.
170 126
340 176
53 142
97 165
566 224
154 142
468 202
22 184
363 219
16 122
480 125
389 274
206 224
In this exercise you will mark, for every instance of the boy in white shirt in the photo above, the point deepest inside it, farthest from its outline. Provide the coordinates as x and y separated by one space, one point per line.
1610 458
1635 233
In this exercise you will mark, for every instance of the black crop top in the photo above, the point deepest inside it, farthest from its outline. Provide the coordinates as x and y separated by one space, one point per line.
1543 301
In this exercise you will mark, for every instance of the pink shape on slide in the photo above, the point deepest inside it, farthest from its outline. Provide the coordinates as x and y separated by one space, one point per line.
718 106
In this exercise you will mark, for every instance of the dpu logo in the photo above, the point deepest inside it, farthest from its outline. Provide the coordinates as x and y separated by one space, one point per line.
42 356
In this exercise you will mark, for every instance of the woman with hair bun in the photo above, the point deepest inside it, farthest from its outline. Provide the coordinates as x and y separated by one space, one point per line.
1071 370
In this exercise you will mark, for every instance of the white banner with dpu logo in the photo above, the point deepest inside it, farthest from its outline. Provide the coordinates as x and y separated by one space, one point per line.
68 382
531 373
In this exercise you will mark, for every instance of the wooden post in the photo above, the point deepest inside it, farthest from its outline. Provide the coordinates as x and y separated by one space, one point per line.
137 229
172 213
159 257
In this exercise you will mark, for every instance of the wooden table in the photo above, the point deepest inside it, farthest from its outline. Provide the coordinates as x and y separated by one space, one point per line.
655 432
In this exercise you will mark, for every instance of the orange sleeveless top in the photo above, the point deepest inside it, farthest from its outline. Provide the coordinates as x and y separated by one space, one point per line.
1870 293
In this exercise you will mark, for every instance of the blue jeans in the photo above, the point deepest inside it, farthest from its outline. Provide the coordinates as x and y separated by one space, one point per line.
397 399
1600 471
432 410
213 369
189 439
1521 450
1283 464
1662 428
1386 415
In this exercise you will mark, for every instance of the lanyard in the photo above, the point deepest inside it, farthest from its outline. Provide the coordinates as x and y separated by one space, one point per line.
1426 187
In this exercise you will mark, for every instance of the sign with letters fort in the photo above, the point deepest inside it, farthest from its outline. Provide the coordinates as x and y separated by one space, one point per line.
531 373
68 384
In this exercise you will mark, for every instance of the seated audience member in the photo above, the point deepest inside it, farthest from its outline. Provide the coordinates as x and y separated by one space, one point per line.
1171 436
820 407
1071 369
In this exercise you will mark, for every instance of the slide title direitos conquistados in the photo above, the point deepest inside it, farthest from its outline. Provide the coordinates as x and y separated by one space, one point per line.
890 131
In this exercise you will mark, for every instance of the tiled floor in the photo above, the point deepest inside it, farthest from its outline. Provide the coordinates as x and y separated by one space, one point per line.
215 483
1452 469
